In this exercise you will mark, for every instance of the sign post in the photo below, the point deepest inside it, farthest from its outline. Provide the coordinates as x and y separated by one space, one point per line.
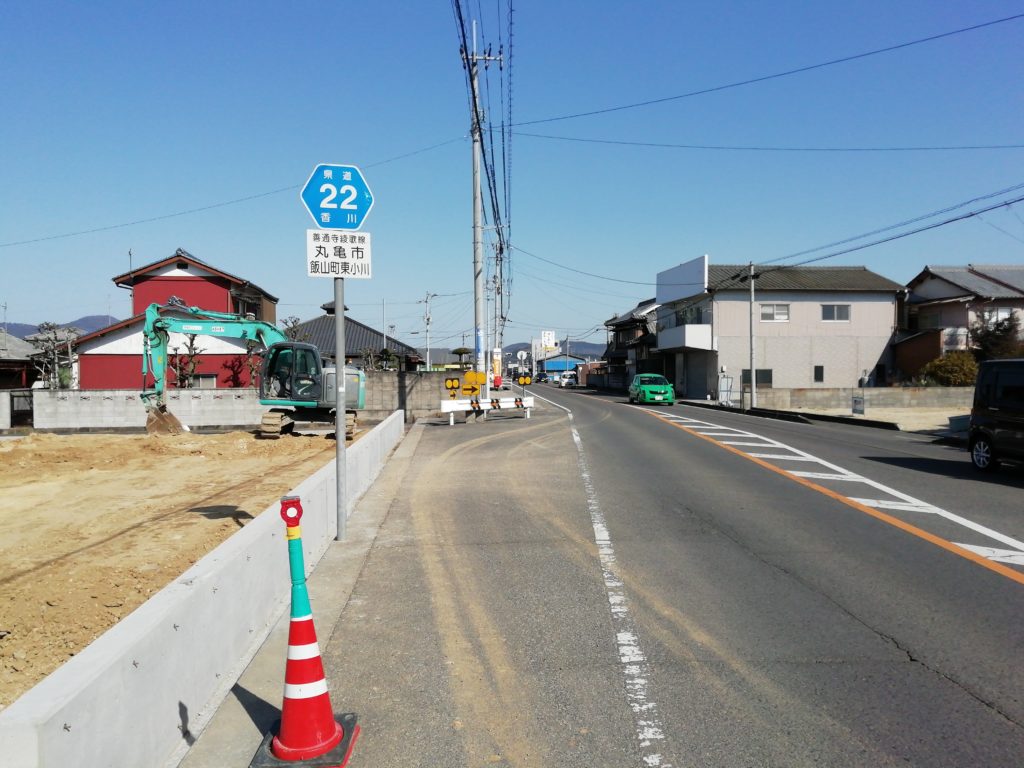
338 198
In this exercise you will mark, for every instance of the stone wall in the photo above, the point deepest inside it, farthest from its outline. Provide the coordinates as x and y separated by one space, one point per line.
418 393
877 397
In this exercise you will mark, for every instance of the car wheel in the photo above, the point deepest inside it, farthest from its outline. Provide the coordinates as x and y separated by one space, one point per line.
982 456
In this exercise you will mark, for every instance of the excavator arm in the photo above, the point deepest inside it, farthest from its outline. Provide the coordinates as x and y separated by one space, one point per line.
164 319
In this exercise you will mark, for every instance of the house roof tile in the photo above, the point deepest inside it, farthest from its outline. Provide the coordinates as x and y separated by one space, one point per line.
320 332
723 277
128 278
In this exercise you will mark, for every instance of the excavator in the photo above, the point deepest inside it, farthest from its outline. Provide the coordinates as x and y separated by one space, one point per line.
293 379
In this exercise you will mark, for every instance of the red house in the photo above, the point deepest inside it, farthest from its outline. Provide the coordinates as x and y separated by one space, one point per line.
111 358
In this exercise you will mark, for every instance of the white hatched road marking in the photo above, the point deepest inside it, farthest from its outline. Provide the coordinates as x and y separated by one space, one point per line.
902 502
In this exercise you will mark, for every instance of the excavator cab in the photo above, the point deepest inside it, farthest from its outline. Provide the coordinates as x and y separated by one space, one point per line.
292 374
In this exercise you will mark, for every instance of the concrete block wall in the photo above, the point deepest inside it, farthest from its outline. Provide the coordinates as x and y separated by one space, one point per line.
122 408
5 410
124 700
417 393
877 397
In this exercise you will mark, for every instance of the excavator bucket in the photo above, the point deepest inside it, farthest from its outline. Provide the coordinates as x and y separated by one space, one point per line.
160 421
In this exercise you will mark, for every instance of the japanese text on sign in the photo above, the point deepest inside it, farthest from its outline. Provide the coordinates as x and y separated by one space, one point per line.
338 254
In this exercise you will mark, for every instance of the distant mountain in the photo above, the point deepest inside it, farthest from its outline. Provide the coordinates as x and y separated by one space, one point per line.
91 323
86 324
578 348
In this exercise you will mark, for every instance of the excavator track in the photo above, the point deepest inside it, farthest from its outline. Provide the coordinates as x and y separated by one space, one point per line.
275 424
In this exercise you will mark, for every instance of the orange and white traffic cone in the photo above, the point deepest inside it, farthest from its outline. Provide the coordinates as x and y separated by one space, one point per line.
309 735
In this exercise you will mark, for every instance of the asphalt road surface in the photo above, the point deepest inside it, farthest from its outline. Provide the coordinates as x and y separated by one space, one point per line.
634 586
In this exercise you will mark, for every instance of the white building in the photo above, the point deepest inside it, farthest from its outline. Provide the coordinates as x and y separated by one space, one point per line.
812 327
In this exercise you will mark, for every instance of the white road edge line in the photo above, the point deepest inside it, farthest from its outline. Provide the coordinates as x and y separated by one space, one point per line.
635 670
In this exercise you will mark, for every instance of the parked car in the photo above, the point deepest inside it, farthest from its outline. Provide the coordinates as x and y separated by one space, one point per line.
997 418
567 380
651 388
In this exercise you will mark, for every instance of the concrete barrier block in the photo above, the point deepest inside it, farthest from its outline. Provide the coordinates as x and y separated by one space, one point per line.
133 696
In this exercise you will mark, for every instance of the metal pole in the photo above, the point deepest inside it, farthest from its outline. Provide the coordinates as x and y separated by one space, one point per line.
339 410
427 323
478 242
753 371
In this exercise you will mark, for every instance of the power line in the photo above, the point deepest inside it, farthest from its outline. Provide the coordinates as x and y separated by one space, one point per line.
212 206
725 148
777 75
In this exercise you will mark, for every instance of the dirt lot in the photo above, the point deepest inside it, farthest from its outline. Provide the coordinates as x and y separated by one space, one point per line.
93 525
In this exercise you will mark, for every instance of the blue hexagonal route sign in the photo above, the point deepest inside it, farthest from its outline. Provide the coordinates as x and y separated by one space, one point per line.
337 197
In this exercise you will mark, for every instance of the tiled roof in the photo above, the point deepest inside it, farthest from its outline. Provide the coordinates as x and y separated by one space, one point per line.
320 332
1009 275
990 281
637 313
128 278
771 278
13 348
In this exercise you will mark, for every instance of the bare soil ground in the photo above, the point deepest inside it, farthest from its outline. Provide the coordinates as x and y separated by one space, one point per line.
92 525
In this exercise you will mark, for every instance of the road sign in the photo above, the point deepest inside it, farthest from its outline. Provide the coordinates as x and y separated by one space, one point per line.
521 355
338 254
474 380
337 197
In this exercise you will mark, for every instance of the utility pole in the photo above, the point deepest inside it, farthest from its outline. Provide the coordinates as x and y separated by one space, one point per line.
384 324
426 322
753 371
472 61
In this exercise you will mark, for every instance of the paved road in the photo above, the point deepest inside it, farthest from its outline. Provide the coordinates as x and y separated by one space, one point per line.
675 587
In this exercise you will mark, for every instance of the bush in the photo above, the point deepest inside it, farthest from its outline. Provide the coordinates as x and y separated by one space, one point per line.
956 369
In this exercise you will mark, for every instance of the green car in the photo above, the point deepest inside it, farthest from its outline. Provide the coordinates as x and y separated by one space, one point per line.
651 388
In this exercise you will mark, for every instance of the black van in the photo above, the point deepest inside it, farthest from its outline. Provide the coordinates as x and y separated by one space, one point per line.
997 418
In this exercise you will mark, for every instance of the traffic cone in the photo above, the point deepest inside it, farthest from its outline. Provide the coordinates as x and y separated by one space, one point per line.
309 735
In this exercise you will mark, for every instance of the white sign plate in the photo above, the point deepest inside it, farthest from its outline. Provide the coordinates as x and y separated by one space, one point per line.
338 254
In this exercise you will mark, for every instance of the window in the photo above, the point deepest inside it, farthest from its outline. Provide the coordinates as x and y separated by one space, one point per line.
774 313
997 315
819 374
205 381
764 378
835 313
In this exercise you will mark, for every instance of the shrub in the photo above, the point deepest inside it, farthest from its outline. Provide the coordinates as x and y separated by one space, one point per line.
956 369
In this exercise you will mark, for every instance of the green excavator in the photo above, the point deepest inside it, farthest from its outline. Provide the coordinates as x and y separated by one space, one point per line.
293 380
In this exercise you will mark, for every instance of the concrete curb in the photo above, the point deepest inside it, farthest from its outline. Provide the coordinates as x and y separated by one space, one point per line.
253 704
135 696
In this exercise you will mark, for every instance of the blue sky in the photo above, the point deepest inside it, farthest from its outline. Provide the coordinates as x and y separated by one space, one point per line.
124 112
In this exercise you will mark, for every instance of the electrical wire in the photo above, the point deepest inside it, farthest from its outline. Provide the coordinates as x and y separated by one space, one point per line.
212 206
728 148
777 75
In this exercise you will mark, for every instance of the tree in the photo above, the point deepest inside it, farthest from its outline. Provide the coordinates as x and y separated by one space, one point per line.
462 352
955 369
54 358
995 339
187 363
291 329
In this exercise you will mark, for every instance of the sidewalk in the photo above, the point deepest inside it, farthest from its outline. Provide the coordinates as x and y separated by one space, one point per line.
942 423
253 706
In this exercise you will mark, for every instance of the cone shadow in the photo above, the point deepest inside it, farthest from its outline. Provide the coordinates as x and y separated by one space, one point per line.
262 713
